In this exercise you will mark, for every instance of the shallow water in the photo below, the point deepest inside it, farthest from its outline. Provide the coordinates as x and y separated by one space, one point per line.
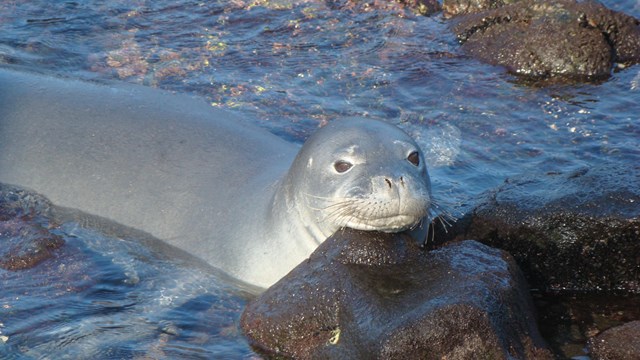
291 65
106 297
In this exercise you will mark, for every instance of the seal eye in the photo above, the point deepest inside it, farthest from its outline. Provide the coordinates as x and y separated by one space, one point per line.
342 166
414 158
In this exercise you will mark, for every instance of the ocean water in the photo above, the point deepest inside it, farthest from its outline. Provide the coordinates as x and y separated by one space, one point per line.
292 66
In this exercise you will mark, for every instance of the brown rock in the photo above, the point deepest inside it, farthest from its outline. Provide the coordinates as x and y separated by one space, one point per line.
423 7
25 237
372 295
24 244
618 343
562 39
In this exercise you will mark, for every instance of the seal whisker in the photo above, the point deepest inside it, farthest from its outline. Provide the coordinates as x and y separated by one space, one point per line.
444 212
433 234
338 207
328 207
328 198
340 217
339 213
444 222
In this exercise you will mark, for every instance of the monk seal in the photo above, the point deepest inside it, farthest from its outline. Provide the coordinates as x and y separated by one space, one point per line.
202 179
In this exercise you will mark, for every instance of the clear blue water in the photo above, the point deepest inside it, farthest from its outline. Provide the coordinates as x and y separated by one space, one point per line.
291 66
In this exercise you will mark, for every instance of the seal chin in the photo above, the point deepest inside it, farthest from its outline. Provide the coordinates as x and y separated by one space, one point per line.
372 213
389 224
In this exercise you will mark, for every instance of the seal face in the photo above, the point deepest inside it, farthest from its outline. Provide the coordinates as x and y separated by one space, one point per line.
361 174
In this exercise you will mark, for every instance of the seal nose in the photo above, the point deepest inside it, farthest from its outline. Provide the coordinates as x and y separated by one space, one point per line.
389 182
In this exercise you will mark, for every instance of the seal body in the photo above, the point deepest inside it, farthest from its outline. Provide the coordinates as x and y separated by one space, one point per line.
202 179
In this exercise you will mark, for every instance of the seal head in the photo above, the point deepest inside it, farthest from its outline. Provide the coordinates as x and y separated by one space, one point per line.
361 174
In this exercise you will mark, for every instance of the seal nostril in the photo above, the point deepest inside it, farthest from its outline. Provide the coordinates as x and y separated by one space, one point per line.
388 182
401 180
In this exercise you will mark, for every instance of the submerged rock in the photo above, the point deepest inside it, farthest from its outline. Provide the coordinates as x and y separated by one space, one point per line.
567 231
618 343
561 39
373 295
24 244
26 238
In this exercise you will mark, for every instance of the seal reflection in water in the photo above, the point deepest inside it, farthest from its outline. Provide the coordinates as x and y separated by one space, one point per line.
202 179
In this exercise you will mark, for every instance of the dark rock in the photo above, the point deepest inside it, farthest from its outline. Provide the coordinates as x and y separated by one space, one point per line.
618 343
567 320
562 39
567 231
372 295
26 238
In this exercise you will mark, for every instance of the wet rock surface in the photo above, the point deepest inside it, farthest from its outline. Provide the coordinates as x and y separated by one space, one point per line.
461 7
618 343
26 237
423 7
563 40
573 231
567 320
373 295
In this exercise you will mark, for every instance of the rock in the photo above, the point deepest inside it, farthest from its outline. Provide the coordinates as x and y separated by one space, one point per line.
618 343
24 244
567 231
423 7
26 238
561 39
373 295
461 7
